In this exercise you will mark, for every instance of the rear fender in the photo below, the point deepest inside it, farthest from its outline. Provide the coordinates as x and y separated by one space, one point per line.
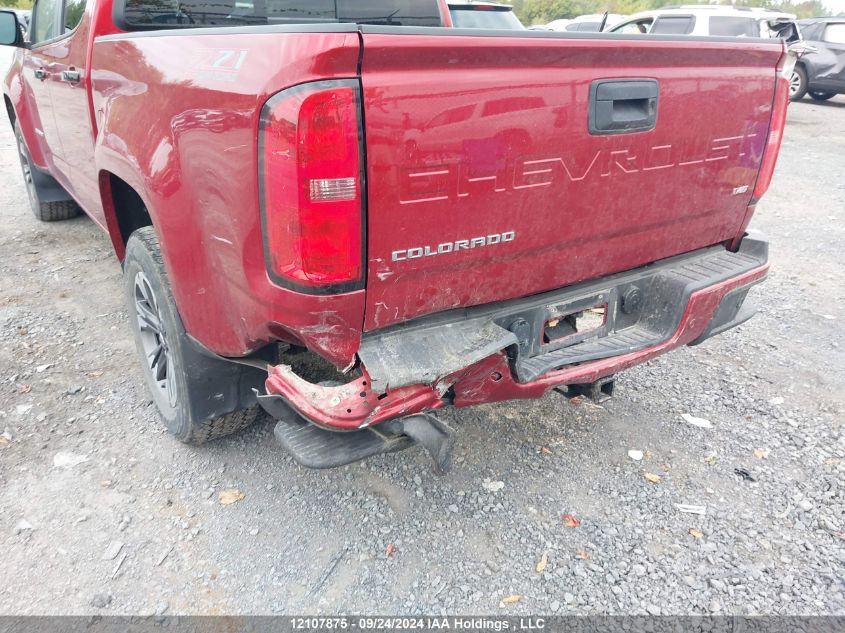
26 117
173 126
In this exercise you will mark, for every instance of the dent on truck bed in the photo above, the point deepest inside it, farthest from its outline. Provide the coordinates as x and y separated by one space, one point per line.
470 139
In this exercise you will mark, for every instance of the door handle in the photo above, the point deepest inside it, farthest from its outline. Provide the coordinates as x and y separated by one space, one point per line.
40 73
618 106
71 76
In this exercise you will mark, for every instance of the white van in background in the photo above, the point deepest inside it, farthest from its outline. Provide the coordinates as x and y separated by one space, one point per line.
703 19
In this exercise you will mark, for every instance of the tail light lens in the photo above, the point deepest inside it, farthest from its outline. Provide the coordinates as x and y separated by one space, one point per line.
310 185
778 121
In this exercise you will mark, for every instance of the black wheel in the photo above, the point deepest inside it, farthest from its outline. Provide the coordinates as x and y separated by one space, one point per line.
164 347
35 182
797 83
818 95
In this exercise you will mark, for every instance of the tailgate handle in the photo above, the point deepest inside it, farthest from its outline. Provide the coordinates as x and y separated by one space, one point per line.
618 106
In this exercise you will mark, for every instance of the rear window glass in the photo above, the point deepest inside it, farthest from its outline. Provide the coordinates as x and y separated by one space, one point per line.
469 18
204 13
730 26
672 25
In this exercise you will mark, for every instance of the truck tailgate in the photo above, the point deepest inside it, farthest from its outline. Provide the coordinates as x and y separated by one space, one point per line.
485 181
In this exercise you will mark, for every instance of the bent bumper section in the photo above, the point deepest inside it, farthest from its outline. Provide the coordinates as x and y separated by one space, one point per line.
503 351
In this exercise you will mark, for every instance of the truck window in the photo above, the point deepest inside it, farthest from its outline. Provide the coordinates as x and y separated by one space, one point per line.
73 11
390 12
731 26
44 21
470 17
272 11
673 25
203 13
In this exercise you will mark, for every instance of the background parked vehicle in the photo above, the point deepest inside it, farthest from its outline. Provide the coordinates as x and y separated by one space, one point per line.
24 17
820 72
590 22
705 20
483 15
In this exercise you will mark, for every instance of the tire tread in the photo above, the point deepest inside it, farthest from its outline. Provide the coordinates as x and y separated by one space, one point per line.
203 431
56 211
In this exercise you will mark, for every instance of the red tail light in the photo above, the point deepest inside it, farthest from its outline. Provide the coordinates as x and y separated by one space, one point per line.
778 121
311 189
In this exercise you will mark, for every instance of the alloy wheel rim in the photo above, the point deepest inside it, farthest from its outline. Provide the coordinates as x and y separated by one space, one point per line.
154 344
794 83
27 170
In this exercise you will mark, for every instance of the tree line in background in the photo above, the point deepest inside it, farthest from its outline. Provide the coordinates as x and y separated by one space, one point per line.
544 11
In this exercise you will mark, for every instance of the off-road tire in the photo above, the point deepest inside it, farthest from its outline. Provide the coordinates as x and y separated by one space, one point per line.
44 211
202 432
143 257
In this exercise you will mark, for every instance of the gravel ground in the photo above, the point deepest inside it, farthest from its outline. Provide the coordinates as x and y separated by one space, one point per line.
101 511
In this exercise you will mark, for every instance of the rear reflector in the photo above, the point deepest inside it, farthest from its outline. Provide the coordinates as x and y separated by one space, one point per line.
324 189
778 122
311 187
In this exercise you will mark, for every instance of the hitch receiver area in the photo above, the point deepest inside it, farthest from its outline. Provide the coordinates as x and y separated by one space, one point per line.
599 391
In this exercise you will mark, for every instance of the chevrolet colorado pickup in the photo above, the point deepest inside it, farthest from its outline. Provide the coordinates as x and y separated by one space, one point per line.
352 214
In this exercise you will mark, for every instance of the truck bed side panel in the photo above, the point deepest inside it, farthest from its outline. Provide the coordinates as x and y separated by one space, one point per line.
178 120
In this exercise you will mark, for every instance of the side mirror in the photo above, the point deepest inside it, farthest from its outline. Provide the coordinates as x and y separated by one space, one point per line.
11 33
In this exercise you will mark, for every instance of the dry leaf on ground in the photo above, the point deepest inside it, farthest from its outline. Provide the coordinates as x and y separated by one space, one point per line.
570 521
228 497
513 599
695 533
652 477
541 565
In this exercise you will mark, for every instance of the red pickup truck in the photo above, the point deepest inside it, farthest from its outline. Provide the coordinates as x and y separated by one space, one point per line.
353 214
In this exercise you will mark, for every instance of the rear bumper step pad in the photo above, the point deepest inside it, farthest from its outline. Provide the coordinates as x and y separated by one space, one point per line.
315 447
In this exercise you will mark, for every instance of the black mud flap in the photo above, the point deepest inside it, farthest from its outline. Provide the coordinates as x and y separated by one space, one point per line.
315 447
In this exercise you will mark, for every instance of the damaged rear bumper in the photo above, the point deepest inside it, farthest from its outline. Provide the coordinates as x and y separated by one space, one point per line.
514 349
